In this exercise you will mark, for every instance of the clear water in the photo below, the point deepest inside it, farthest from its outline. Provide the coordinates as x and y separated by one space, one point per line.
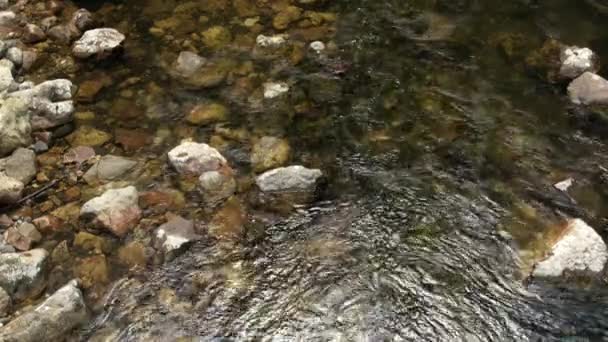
440 152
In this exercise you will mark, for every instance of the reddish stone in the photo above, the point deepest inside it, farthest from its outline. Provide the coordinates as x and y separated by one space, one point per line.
48 223
119 222
132 139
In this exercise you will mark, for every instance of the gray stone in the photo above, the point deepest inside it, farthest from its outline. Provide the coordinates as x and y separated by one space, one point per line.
589 89
5 303
579 250
109 168
83 19
7 18
195 159
289 179
10 189
188 63
63 311
172 236
117 210
15 55
99 42
216 186
22 274
21 165
575 61
15 127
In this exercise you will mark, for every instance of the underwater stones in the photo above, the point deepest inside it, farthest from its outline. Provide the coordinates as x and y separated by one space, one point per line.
317 46
275 89
15 126
174 235
271 41
217 186
100 42
575 61
10 189
286 16
579 250
192 158
207 113
116 210
78 155
269 153
33 34
216 37
589 89
63 34
109 168
188 63
88 136
21 165
289 179
91 243
22 274
50 321
82 19
92 271
229 222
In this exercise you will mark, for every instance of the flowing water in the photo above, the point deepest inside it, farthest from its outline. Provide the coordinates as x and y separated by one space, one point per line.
440 150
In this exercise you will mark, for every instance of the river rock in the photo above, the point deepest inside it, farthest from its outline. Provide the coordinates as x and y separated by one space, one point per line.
207 113
589 89
51 320
83 19
99 42
289 179
33 34
172 236
10 189
15 127
6 74
575 61
15 55
109 168
22 274
22 236
275 89
63 34
269 153
5 302
188 63
196 158
579 250
217 186
49 103
117 210
21 165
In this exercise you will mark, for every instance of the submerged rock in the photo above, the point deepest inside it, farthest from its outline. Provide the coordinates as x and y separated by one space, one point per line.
117 210
99 42
579 250
195 159
10 189
589 89
269 153
22 274
172 236
51 320
217 186
289 179
15 126
207 113
21 165
274 89
109 168
22 236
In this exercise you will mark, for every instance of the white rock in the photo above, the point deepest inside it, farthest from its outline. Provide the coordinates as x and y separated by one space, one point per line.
116 210
575 61
63 311
580 249
588 89
564 185
174 234
317 46
22 274
100 42
271 41
272 89
291 178
196 158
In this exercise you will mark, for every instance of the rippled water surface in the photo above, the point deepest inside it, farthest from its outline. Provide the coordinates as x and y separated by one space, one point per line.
440 149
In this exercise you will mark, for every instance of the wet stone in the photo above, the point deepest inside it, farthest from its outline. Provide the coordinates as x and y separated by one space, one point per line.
21 165
15 126
229 222
22 274
88 136
63 34
192 158
22 236
133 254
83 20
117 210
288 179
92 271
10 189
174 235
50 321
91 243
98 42
33 34
576 61
269 153
216 186
589 89
78 155
110 168
273 89
207 113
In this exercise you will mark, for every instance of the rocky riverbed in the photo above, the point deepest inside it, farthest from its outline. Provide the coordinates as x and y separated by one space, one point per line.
293 168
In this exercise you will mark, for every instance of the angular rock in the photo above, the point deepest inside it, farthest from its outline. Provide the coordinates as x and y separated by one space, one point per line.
589 89
579 250
117 210
78 155
174 235
22 274
21 165
109 168
195 159
269 153
10 189
15 127
289 179
22 236
51 320
100 42
575 61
